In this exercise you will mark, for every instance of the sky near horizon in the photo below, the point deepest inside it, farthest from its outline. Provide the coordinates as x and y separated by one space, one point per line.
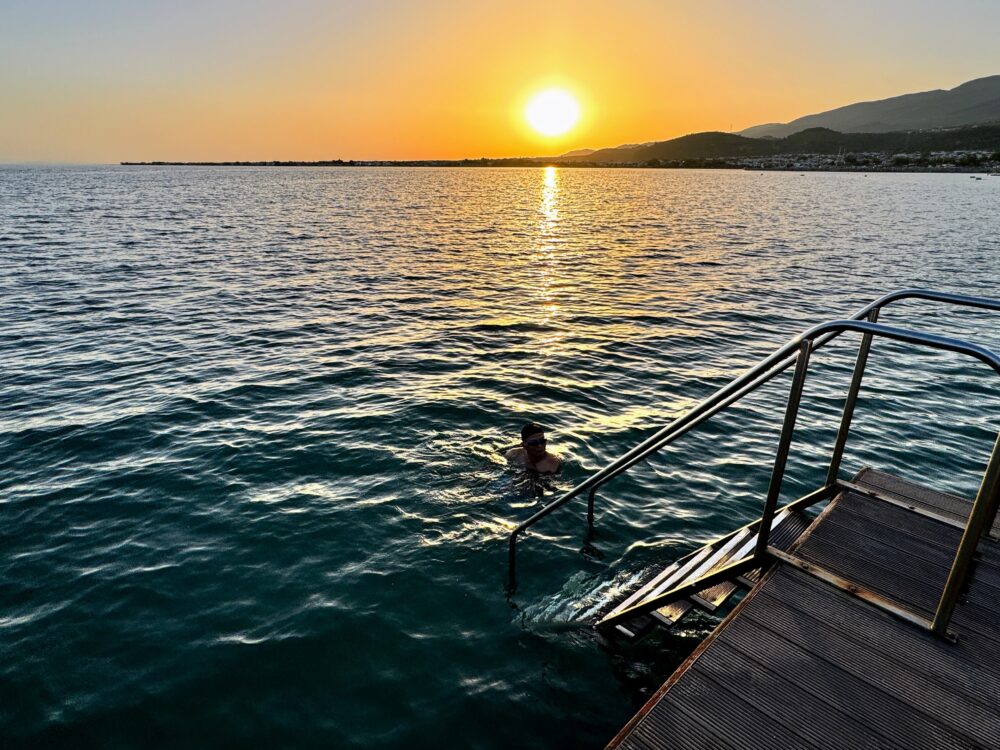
113 80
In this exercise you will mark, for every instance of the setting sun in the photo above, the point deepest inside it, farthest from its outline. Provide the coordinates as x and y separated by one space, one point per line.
552 112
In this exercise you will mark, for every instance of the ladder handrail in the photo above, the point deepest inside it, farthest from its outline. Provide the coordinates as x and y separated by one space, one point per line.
761 373
981 515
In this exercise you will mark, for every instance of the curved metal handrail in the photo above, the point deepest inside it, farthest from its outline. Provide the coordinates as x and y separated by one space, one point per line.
870 311
766 370
980 517
932 340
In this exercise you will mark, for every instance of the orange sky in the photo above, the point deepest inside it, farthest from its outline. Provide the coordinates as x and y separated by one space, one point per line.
393 80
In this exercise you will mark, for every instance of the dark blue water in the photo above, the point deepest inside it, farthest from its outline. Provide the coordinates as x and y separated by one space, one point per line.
252 424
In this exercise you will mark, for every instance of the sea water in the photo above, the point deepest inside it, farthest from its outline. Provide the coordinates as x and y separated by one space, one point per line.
252 426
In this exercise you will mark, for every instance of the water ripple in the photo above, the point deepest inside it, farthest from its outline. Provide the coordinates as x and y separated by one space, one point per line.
252 426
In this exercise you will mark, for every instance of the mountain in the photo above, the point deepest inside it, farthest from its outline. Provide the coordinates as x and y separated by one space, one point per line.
576 152
810 141
703 145
971 103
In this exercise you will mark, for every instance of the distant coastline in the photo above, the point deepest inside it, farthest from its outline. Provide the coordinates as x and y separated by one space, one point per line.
807 163
964 149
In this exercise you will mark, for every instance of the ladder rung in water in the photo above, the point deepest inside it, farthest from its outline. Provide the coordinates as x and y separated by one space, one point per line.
711 599
710 557
661 582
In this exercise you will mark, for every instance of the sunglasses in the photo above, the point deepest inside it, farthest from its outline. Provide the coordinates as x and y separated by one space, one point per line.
535 441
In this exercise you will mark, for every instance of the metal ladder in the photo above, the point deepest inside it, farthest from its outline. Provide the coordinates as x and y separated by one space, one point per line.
721 566
786 527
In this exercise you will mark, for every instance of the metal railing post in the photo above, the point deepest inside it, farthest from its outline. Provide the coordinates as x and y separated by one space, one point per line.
763 372
984 510
512 563
851 402
590 509
781 458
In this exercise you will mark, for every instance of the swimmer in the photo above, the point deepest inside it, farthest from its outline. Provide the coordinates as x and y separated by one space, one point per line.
532 454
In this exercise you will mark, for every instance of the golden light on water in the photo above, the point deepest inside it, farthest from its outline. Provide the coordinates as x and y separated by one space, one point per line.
548 239
552 112
550 191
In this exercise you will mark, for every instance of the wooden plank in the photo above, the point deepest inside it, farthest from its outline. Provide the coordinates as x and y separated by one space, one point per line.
664 580
681 722
942 502
920 528
872 564
889 484
935 514
895 552
921 533
895 678
885 527
875 564
962 665
710 599
785 529
884 603
816 715
930 567
801 663
880 710
731 714
674 611
782 538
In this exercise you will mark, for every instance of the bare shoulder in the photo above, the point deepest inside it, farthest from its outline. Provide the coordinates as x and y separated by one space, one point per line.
515 455
551 464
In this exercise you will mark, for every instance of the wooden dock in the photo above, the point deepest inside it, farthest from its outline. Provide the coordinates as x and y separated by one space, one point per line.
801 663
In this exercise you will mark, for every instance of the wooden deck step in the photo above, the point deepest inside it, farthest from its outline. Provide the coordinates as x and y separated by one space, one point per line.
782 537
942 504
785 528
735 549
856 676
671 613
675 572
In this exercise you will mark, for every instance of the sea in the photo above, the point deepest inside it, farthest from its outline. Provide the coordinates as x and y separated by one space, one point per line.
253 422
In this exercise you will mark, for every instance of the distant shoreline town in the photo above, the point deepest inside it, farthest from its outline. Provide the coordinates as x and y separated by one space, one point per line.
973 148
956 130
944 162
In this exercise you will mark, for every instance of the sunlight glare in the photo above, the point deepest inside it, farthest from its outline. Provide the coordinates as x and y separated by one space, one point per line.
552 112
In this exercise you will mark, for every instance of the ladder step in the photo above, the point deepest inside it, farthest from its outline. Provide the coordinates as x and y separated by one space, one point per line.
705 559
636 627
670 614
786 527
711 599
738 547
664 580
782 538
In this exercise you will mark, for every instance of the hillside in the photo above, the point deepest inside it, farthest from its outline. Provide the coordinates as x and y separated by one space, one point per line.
974 102
811 141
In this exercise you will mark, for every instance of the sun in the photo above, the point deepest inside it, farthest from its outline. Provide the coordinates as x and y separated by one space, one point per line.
552 112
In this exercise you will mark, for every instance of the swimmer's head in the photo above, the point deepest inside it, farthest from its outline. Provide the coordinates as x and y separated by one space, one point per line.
531 428
533 439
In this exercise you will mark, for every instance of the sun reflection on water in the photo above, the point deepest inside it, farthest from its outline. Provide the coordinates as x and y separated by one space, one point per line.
550 192
548 242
